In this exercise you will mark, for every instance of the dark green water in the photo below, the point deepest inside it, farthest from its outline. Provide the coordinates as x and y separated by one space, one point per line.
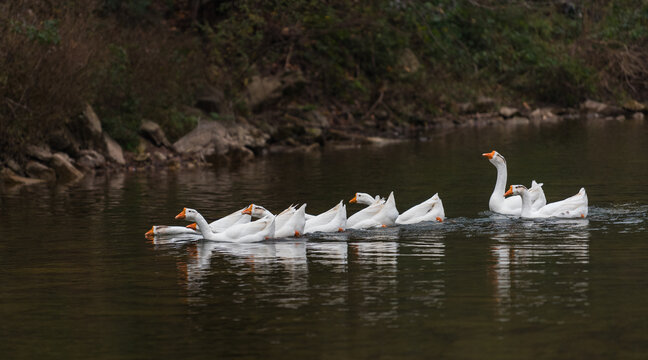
78 280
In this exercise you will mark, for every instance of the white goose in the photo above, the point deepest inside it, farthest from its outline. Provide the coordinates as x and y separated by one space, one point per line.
254 231
429 210
366 213
512 205
237 217
383 215
289 222
574 206
332 220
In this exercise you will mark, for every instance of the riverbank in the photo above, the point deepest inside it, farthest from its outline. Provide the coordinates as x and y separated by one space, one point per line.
83 148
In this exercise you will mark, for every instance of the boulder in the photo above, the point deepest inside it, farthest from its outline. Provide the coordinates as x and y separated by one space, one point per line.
91 159
634 105
408 61
638 116
517 120
8 176
212 100
466 108
39 171
13 165
63 140
39 152
542 114
484 103
593 106
113 150
269 88
65 171
213 140
87 130
508 112
153 132
91 121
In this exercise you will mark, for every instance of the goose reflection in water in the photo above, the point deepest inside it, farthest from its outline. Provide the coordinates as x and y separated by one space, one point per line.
262 260
529 257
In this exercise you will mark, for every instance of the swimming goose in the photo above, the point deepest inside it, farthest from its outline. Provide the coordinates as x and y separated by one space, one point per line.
237 217
511 205
366 213
383 215
289 222
332 220
429 210
254 231
574 206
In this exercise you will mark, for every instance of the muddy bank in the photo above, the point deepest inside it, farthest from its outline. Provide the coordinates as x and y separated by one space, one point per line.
82 148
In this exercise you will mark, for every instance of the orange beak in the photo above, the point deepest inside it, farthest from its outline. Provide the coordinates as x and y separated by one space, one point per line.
182 214
340 230
354 200
150 234
509 192
248 210
193 226
439 219
489 155
297 234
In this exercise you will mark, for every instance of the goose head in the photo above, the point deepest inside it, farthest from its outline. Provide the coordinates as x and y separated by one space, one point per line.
516 190
363 198
187 214
257 211
495 158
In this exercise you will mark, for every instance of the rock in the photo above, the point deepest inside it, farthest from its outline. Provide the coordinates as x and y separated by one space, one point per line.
517 120
313 132
485 103
13 165
64 141
113 150
86 129
93 124
593 106
142 157
316 118
408 61
542 115
634 105
466 108
158 156
213 140
91 159
39 171
638 116
508 112
39 152
265 89
153 132
212 100
65 171
8 176
620 118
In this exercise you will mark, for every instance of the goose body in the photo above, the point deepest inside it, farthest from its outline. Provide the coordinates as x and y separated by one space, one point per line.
332 220
384 214
237 217
289 222
511 205
366 213
429 210
572 207
253 231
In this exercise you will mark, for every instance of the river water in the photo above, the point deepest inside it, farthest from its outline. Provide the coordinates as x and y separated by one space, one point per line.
79 280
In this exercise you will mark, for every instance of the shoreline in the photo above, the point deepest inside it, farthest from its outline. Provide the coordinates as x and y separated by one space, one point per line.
84 149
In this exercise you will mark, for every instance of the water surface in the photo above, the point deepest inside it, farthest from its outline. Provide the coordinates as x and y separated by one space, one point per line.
80 281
